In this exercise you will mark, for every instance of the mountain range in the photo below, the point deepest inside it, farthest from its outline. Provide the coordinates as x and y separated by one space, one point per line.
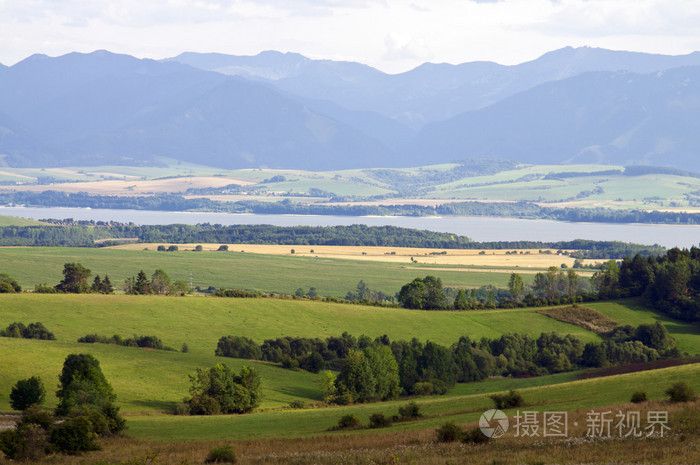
283 110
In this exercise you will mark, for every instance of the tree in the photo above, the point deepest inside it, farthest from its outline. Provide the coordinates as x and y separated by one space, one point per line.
435 298
84 391
9 284
238 347
385 371
607 280
75 279
82 383
413 294
142 285
198 248
220 389
572 285
160 282
516 287
357 378
461 302
328 386
27 392
107 287
96 285
426 293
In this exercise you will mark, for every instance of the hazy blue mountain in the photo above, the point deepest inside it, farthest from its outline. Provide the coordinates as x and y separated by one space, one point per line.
602 117
430 92
238 124
283 110
108 108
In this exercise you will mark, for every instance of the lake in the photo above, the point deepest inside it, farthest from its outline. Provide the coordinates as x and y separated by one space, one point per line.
478 228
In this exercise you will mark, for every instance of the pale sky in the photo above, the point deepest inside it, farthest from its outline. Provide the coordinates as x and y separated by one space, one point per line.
391 35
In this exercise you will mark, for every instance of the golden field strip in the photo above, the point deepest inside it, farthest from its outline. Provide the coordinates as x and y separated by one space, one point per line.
497 259
132 187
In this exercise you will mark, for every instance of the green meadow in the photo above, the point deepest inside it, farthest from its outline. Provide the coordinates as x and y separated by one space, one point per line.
16 221
153 381
268 273
575 395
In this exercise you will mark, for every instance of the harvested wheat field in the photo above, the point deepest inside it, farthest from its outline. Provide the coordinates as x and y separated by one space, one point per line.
131 187
480 258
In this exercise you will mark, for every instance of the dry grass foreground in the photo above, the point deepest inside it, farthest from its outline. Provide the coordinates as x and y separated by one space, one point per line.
489 258
680 445
584 317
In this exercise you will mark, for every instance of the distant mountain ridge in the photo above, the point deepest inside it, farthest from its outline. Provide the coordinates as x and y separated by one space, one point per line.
431 92
283 110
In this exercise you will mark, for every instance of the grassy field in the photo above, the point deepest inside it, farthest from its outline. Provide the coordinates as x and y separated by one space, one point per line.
149 383
575 395
15 221
269 273
630 313
201 321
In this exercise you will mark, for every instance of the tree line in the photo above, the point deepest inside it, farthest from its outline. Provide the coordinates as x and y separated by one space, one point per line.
380 369
86 233
669 283
76 280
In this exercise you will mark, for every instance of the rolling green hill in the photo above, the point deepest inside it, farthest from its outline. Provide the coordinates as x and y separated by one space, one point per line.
147 380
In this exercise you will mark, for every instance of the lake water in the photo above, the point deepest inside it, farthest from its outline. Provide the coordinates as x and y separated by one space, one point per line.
477 228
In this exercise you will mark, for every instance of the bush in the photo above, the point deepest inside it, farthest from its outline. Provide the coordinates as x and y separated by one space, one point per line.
680 392
474 436
423 389
449 432
202 404
223 248
378 420
348 421
185 348
238 347
38 416
44 289
74 435
8 284
182 408
344 398
33 331
173 248
223 454
161 248
27 392
510 400
638 397
297 404
221 390
290 363
26 442
198 248
6 288
410 411
242 293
